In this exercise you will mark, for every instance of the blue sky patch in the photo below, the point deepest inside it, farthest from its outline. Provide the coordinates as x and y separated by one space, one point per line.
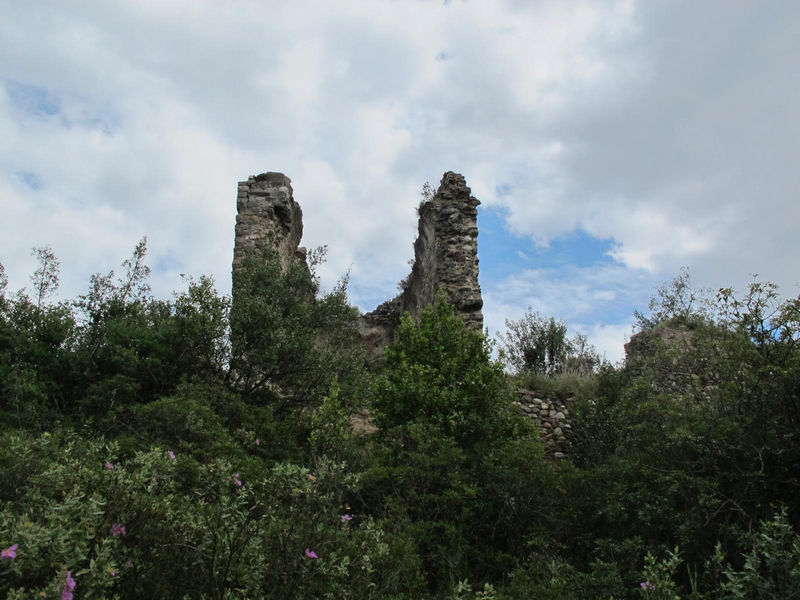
501 252
31 99
167 263
37 101
29 179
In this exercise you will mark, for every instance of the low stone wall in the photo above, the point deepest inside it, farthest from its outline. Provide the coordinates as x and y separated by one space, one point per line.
551 418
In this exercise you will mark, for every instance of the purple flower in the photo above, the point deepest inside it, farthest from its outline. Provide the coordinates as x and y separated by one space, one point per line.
10 552
646 585
118 530
346 518
69 585
311 554
258 443
310 477
237 480
171 454
108 465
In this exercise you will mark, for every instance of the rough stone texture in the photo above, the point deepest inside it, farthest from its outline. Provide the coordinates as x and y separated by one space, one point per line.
445 257
267 217
669 353
551 418
445 252
379 327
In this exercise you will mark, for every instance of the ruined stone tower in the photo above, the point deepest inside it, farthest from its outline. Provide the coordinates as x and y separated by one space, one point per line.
267 218
445 252
445 257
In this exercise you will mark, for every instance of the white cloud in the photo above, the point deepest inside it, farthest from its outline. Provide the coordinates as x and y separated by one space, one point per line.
598 300
609 339
669 130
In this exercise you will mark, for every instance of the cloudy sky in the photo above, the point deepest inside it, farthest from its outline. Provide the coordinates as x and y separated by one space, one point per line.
610 143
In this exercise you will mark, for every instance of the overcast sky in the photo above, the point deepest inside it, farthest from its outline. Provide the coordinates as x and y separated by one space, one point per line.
610 143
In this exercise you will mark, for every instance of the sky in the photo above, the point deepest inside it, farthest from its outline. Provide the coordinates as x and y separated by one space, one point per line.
610 143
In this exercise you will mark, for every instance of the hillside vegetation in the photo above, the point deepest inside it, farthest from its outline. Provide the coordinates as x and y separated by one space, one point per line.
203 448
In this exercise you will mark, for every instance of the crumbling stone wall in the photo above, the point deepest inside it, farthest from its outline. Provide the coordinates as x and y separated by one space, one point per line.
267 218
445 251
445 257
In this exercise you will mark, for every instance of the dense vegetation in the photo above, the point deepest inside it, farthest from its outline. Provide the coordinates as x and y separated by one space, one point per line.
198 448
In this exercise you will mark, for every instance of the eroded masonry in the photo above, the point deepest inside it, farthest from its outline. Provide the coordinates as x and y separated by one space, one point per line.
445 257
445 251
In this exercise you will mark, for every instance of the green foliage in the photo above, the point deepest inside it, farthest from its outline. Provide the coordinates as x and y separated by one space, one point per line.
36 362
331 431
220 437
677 301
658 576
133 348
45 278
226 534
440 373
771 568
3 281
288 345
698 432
454 467
538 345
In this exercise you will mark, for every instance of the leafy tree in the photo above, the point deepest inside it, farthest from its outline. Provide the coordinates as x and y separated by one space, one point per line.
677 301
705 412
539 345
35 345
441 373
289 343
3 282
448 431
45 277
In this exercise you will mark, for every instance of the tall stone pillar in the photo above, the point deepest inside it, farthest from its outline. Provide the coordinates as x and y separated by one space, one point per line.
445 257
446 252
267 218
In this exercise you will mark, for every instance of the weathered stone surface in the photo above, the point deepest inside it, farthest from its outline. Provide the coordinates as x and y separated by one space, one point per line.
671 343
445 252
267 218
445 257
551 418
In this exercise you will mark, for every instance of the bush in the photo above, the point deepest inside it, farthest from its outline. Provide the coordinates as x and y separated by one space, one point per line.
288 344
538 345
440 373
454 468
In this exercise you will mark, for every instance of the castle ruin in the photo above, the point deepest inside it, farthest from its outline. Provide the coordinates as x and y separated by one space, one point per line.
445 258
445 251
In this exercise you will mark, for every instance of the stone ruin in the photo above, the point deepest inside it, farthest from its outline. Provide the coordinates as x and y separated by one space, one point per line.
267 216
551 418
445 252
445 257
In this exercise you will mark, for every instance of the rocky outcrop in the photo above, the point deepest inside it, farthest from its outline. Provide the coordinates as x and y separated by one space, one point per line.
267 218
445 257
